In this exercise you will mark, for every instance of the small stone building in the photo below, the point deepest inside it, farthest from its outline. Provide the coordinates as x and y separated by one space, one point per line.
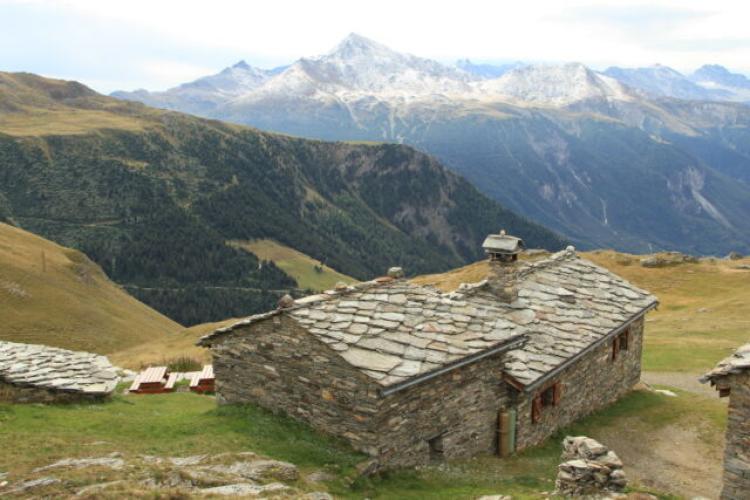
731 377
31 373
408 374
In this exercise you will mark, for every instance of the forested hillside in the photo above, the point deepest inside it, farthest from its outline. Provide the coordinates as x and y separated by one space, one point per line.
153 196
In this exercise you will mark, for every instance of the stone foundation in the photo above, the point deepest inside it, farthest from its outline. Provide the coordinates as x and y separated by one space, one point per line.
10 393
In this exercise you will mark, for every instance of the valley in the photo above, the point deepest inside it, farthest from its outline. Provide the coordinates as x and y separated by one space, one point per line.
153 197
328 250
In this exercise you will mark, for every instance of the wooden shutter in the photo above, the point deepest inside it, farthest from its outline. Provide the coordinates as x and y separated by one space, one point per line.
557 393
536 409
625 339
615 347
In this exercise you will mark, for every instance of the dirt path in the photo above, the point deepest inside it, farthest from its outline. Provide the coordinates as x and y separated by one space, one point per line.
674 459
684 381
684 458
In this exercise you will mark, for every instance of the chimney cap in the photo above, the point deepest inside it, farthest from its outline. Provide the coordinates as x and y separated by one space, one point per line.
395 272
503 244
285 302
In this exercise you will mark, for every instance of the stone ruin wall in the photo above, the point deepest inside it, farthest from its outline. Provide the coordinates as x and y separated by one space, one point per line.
737 451
591 383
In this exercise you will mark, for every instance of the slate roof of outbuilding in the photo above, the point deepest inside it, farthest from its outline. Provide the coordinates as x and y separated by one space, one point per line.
56 369
397 330
736 363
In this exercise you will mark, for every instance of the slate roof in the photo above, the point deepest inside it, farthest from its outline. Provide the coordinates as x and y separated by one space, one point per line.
569 304
394 331
736 363
57 369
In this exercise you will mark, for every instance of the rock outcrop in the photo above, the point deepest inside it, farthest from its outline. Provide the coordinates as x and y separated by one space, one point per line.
668 259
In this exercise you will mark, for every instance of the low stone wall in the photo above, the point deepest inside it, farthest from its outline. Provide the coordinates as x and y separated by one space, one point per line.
591 383
10 393
459 408
737 451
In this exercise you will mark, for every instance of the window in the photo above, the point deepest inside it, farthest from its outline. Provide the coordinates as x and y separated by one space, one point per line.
621 342
436 448
546 398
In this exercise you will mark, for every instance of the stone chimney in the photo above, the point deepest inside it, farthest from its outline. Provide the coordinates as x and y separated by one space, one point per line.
502 251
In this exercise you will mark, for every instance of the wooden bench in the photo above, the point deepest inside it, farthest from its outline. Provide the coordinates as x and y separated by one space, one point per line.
204 380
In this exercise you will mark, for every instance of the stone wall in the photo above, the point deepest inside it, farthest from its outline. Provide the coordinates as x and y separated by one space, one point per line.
277 365
10 393
591 383
460 406
737 451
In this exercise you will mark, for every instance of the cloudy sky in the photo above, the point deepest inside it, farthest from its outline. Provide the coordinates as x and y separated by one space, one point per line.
155 44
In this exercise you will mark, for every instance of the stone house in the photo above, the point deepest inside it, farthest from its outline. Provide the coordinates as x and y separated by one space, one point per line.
731 377
408 374
31 373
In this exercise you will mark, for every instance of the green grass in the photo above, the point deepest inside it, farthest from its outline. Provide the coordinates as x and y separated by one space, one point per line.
175 424
183 424
309 273
526 474
702 317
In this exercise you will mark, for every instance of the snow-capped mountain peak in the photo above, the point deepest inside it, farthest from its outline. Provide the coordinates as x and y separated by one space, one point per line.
355 46
358 64
556 85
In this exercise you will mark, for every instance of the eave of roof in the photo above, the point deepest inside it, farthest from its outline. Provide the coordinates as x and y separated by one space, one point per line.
738 362
570 361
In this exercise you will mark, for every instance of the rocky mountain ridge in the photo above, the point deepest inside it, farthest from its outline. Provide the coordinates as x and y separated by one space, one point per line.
604 163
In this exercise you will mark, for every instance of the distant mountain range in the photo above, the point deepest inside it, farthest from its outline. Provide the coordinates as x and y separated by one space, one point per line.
708 83
608 159
154 196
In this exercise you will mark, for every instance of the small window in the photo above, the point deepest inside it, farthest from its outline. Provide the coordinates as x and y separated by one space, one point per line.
621 342
546 398
436 448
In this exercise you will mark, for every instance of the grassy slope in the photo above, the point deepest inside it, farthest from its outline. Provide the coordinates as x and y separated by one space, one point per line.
69 304
703 312
164 349
296 264
186 424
